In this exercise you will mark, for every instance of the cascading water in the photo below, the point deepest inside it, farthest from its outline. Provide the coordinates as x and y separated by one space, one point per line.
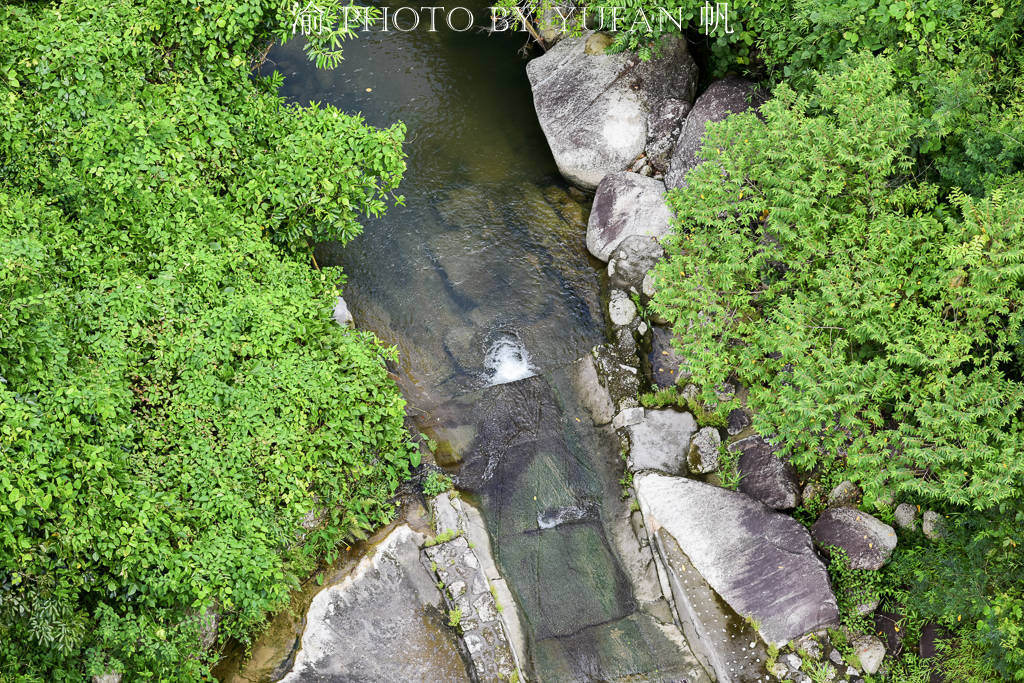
507 360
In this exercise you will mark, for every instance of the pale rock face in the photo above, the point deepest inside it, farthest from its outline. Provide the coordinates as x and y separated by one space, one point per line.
761 562
382 622
870 651
594 107
621 309
342 315
661 441
626 205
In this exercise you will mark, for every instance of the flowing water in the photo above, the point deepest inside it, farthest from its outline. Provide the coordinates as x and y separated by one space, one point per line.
483 282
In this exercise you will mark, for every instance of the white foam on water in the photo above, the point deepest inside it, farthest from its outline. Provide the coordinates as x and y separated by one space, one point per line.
507 361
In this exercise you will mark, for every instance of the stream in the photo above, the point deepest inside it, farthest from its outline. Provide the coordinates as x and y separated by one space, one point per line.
483 282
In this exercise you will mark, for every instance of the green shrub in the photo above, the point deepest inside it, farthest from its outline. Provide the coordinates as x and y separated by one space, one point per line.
873 326
436 483
174 398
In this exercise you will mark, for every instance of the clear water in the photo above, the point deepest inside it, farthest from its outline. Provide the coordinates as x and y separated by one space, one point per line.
483 282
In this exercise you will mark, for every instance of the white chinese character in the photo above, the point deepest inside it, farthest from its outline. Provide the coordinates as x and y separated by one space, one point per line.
710 15
308 20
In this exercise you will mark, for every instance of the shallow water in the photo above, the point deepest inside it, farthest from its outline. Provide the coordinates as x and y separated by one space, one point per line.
483 282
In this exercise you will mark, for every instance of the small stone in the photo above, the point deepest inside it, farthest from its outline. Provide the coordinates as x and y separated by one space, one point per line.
870 651
647 286
809 644
812 492
107 678
845 494
621 309
779 670
793 661
737 421
906 516
866 608
836 657
703 455
628 417
933 526
342 315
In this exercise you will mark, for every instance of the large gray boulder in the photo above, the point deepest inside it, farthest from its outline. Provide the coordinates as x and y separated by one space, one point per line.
761 562
868 541
661 441
765 476
724 97
593 107
383 622
626 204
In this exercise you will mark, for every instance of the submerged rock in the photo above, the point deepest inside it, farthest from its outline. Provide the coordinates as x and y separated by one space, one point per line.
626 204
593 107
593 395
868 541
724 97
761 562
766 477
382 622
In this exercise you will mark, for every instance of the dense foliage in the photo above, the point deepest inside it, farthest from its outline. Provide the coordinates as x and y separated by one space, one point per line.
175 401
877 321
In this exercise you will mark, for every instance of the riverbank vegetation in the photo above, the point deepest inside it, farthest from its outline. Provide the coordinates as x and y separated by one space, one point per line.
184 430
854 256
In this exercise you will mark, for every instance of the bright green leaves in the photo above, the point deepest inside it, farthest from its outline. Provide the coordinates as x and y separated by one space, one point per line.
874 332
174 397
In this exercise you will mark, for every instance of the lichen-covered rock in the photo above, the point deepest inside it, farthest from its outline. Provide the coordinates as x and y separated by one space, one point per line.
661 441
870 651
724 97
845 494
621 309
932 525
766 477
626 204
703 455
868 541
468 595
663 127
761 562
631 261
905 516
737 421
593 107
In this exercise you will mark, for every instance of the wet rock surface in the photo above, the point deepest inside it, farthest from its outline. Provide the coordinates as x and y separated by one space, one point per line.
593 107
665 362
761 562
547 486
